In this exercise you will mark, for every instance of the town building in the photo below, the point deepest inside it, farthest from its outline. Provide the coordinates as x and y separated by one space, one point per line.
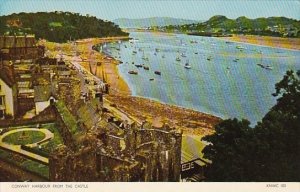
42 97
8 91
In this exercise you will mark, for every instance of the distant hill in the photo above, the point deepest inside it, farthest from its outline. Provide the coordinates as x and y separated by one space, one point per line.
273 26
152 21
58 26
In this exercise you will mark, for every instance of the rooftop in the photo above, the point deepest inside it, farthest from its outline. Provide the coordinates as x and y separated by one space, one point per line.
17 41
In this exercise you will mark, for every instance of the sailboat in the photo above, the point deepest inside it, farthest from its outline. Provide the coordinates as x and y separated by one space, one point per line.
268 67
181 43
144 57
260 64
119 46
177 57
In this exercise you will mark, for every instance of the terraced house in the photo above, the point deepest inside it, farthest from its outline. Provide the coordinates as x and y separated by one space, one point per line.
8 91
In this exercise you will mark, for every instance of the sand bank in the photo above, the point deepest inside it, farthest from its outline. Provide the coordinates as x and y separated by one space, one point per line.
277 42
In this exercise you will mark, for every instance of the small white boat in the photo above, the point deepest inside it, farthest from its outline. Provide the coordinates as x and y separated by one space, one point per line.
240 47
187 65
268 67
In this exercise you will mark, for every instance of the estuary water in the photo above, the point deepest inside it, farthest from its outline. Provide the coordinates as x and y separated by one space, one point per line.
206 74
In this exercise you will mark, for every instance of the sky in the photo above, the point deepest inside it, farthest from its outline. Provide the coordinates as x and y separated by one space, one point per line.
186 9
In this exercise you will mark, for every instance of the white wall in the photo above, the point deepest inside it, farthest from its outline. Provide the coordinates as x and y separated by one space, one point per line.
40 106
8 98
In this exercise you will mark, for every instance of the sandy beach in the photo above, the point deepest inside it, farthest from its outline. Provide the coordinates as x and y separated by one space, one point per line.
189 121
279 42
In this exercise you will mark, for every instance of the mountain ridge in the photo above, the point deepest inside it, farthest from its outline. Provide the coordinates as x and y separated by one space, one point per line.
220 24
151 21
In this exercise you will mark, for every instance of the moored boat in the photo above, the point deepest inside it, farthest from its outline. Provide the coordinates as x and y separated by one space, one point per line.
187 65
133 72
240 47
157 72
137 65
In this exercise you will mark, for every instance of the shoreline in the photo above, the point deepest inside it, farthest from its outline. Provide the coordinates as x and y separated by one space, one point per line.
108 69
292 44
189 121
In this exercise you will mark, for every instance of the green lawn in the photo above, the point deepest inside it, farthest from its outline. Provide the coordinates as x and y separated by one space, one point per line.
24 137
55 24
47 147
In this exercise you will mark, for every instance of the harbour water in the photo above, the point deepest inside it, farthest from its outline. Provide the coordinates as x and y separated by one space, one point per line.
206 74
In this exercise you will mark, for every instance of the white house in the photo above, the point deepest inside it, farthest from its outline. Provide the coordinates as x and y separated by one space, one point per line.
42 97
8 93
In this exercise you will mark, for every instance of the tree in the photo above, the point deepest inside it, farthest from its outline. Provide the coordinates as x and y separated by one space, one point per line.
227 150
280 128
268 152
59 26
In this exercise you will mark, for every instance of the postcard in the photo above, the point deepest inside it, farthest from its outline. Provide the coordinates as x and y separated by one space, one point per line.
128 95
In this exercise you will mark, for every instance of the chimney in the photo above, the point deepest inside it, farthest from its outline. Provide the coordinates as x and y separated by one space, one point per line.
15 46
25 43
4 41
99 96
